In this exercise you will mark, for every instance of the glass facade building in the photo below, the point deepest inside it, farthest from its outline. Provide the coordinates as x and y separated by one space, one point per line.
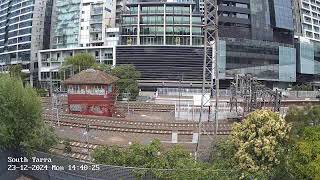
21 33
265 60
162 39
257 37
308 54
79 26
162 23
82 23
66 28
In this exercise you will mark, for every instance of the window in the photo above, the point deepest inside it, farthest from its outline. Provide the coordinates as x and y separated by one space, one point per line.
82 12
243 16
82 20
110 88
240 5
81 28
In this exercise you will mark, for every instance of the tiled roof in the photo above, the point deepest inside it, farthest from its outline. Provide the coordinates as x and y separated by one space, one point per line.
91 76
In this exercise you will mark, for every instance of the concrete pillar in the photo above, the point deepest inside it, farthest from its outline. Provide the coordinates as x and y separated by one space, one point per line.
138 27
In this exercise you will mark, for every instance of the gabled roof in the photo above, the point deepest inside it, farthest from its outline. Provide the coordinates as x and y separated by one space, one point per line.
91 76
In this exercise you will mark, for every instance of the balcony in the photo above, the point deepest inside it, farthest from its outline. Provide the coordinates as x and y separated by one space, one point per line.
96 39
95 30
97 11
96 21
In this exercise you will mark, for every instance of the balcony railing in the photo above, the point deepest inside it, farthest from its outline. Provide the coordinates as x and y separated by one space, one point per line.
95 29
96 11
96 39
96 21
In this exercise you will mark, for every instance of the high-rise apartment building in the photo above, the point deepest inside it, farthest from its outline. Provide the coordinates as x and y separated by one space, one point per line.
78 26
81 23
307 18
307 41
22 27
257 37
163 40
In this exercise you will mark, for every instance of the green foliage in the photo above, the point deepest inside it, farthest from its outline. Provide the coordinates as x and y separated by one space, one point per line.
21 126
41 92
302 87
67 146
261 142
301 118
305 155
16 71
154 157
128 82
80 61
102 67
222 154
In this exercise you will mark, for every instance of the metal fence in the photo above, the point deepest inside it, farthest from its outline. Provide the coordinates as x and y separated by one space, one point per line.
4 173
302 94
227 93
64 168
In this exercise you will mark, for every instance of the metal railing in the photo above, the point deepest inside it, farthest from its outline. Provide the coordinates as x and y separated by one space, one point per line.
63 167
227 93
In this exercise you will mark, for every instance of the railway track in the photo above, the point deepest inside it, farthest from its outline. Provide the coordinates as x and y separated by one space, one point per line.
79 150
133 106
121 125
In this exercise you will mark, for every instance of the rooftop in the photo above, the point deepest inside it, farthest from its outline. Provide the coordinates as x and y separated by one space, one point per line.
91 76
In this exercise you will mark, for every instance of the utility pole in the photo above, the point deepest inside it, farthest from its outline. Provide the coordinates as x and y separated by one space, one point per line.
57 106
210 63
51 95
87 139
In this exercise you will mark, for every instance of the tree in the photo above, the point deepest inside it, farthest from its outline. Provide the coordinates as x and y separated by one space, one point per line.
260 142
128 82
304 152
102 67
21 126
152 156
222 154
16 71
304 161
300 118
80 61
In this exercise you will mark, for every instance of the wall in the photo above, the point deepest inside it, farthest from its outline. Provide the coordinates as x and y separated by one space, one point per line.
163 63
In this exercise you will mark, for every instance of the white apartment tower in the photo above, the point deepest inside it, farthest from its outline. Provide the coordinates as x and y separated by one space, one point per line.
307 19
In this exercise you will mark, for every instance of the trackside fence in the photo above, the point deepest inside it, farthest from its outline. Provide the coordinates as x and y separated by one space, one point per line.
227 93
66 168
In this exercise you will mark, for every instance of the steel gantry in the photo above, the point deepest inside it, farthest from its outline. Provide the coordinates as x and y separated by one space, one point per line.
210 79
251 95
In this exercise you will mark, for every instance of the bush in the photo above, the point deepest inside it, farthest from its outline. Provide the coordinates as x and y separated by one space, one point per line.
42 92
67 146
